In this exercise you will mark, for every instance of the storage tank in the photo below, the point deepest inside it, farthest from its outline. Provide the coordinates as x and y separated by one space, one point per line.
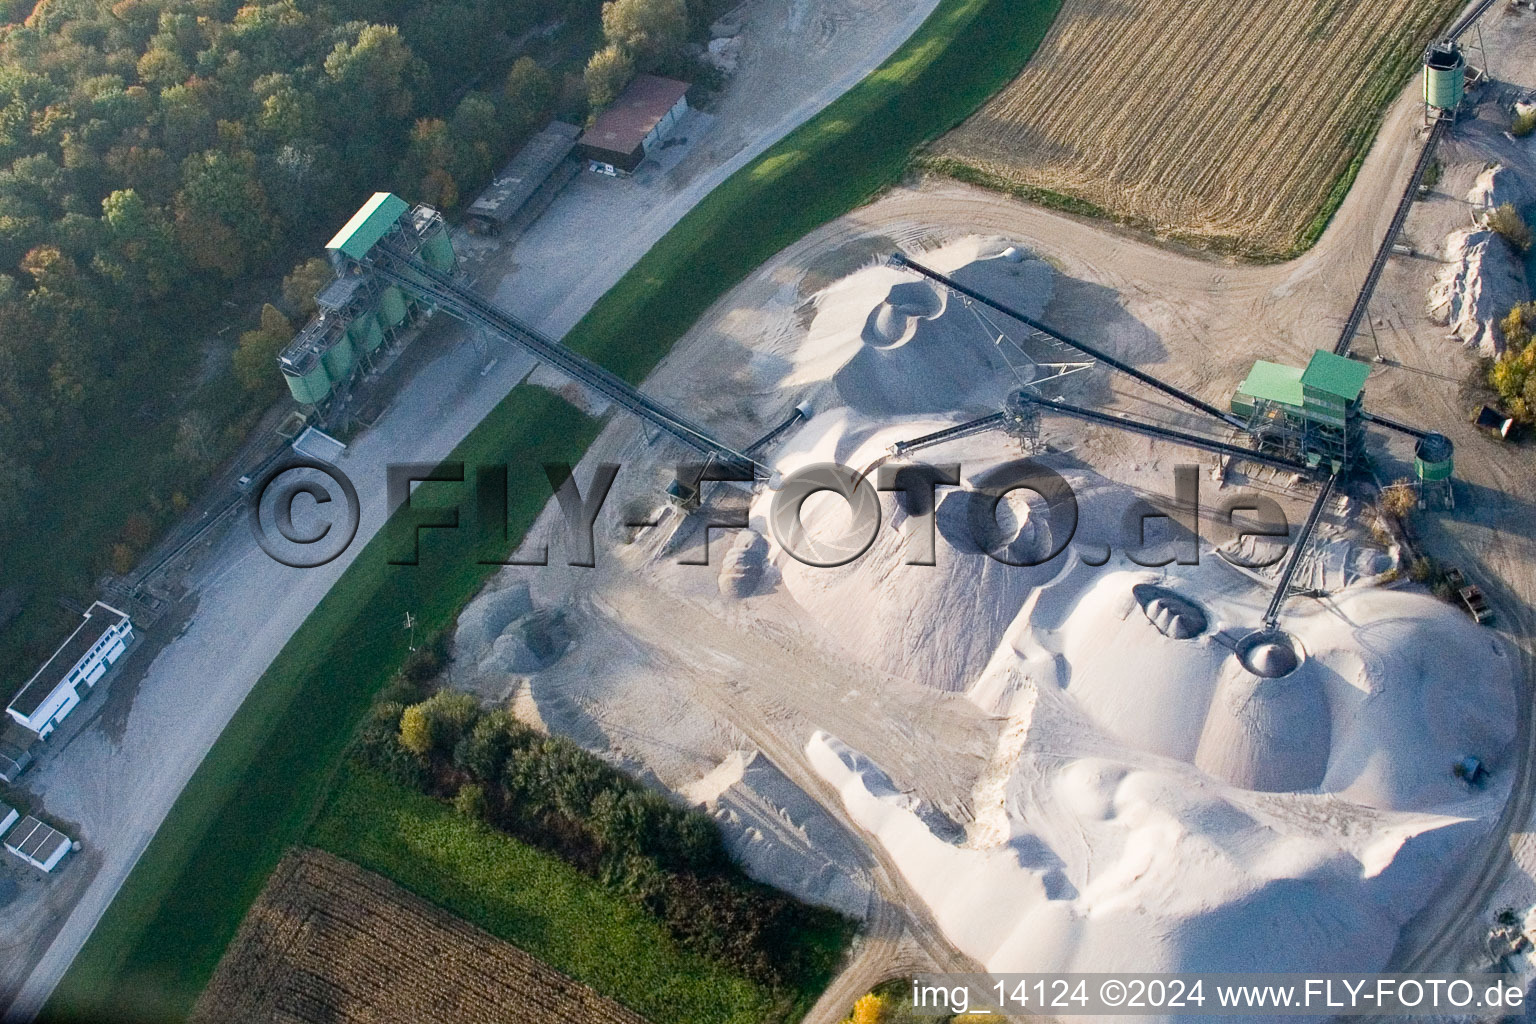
1445 76
437 250
308 388
367 335
391 306
339 358
1432 458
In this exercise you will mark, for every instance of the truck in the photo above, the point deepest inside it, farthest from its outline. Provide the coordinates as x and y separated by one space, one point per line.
1469 596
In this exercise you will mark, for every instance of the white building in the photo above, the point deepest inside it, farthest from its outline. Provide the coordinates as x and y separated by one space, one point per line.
38 844
8 816
55 689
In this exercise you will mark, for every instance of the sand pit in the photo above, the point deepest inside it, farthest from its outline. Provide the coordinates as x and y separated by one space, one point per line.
1166 808
1071 766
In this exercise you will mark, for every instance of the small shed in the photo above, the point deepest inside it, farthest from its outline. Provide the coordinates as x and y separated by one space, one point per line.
527 183
15 752
40 845
637 122
8 816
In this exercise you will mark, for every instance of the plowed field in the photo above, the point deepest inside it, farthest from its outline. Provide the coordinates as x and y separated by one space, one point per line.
328 941
1233 126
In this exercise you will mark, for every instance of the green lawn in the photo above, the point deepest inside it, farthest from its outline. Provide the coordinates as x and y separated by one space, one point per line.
533 900
256 791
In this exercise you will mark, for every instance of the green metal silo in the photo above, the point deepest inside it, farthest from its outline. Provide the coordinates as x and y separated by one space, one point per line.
391 306
1432 458
366 333
308 388
339 358
437 249
1445 76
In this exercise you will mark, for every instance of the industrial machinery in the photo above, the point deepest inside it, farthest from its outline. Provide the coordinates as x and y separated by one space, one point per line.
359 312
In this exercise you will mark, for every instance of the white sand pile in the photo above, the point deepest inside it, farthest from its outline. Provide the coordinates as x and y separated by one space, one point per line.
1122 825
1495 186
1481 281
890 345
937 625
778 832
1483 277
745 570
501 633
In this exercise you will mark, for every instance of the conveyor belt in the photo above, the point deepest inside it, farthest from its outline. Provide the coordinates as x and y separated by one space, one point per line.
1401 428
452 297
1177 436
1298 548
948 434
902 260
794 417
1384 251
1468 19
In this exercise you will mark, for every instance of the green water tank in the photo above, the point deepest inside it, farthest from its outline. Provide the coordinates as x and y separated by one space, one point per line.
437 250
368 334
391 306
339 359
309 388
1445 76
1432 458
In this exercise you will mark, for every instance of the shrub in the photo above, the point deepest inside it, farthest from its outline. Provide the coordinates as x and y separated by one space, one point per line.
471 801
1399 499
424 663
1523 124
1507 222
483 753
378 745
436 725
871 1009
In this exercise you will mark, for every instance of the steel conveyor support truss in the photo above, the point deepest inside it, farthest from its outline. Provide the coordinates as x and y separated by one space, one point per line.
458 301
902 260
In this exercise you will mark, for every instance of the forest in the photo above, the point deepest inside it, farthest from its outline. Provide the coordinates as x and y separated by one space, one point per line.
163 163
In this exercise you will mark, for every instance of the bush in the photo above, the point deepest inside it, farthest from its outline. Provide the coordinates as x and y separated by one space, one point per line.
483 754
424 663
378 745
1399 499
471 802
1507 222
436 725
1523 124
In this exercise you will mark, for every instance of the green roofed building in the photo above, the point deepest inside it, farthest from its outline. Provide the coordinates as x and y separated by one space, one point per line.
370 223
358 313
1311 414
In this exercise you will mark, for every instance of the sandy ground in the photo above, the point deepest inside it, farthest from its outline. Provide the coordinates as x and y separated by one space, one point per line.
117 786
1195 322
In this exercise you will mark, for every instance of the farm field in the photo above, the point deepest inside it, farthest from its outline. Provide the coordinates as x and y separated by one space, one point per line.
533 900
1233 127
329 941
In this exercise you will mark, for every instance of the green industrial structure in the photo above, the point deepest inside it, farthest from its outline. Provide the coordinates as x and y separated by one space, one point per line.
1312 414
1445 79
359 313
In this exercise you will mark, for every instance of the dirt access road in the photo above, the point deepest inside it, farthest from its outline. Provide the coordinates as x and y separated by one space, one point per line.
115 786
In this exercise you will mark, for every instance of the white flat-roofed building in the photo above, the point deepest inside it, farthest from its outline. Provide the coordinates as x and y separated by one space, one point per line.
38 844
80 662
